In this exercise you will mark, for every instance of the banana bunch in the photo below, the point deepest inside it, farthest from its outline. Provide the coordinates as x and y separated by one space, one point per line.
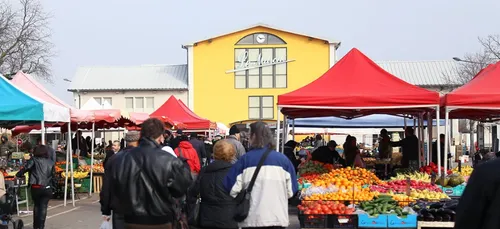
416 176
428 195
466 170
77 175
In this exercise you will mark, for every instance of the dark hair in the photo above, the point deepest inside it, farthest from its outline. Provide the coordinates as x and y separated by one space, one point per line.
152 128
291 143
194 135
183 138
41 151
261 134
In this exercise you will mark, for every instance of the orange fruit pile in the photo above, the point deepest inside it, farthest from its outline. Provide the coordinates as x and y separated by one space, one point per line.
347 178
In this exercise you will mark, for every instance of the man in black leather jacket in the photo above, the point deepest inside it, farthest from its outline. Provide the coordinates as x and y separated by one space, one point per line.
147 179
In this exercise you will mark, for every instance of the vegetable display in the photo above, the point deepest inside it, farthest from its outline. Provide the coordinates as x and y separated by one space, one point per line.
436 211
382 205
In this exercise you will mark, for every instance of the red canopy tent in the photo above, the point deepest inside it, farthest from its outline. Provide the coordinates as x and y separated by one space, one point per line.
178 112
356 86
479 99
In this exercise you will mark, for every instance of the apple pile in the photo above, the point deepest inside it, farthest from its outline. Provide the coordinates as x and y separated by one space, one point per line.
433 168
399 186
325 208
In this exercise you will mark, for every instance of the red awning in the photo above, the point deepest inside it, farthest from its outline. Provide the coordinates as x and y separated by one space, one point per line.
178 112
357 86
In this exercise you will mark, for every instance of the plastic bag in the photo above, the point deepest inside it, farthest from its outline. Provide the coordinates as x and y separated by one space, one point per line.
106 225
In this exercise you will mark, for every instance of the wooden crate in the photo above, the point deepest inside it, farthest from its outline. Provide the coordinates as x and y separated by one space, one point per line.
425 224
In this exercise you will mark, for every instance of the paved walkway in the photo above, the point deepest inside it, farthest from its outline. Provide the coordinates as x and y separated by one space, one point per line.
87 215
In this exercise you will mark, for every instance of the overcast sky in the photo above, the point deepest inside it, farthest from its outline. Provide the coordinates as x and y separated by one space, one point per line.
131 32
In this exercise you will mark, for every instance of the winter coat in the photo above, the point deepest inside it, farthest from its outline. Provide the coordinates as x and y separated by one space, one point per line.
217 207
275 184
199 146
186 151
479 205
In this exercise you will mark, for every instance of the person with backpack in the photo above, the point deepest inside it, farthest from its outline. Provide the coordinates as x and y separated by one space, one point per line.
267 176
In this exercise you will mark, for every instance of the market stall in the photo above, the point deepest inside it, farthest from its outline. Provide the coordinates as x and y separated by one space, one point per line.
17 107
335 197
176 111
354 87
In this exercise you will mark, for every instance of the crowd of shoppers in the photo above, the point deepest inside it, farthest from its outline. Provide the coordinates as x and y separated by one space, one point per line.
167 178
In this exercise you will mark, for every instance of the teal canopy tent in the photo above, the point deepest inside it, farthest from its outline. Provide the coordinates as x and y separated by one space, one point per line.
17 107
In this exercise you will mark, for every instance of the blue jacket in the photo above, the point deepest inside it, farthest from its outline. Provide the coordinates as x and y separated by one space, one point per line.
275 184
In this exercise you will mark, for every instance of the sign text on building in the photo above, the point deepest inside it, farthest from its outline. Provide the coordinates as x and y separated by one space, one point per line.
246 64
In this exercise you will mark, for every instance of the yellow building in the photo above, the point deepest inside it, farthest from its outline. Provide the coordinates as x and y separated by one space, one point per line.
238 75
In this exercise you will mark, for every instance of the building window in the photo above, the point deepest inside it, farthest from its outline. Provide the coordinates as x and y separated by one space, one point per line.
139 104
260 68
108 101
260 107
261 39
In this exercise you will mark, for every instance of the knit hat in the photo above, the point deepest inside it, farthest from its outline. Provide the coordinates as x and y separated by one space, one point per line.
132 136
234 130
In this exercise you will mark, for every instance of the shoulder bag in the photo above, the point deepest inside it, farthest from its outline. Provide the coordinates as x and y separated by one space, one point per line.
243 198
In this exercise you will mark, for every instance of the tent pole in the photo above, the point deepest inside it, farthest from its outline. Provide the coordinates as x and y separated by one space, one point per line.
68 155
293 129
430 133
446 139
278 128
284 138
92 159
415 121
42 132
438 145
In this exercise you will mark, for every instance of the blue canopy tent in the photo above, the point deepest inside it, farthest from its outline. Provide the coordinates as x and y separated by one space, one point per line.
370 121
17 107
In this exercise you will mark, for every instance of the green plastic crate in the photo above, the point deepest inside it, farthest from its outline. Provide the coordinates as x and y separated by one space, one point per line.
75 166
85 185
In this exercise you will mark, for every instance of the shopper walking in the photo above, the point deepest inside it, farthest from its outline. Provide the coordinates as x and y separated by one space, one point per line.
41 172
275 183
217 206
115 148
147 180
109 200
234 138
199 146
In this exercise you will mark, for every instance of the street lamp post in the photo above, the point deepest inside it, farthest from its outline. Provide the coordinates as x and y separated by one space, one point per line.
77 92
466 61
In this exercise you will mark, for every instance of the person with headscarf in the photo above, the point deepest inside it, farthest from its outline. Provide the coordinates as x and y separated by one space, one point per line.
289 152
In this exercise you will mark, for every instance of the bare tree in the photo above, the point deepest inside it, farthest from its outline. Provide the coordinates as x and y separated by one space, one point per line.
25 38
472 63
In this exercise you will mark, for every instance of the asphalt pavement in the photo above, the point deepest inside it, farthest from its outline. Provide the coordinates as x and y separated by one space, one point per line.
87 215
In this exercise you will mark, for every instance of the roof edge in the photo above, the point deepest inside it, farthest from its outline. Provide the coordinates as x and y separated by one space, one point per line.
126 89
330 41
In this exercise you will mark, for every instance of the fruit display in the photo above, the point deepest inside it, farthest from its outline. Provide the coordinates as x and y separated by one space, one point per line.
98 168
400 186
325 208
384 204
59 169
77 175
314 167
465 170
99 156
443 210
455 180
428 195
355 195
433 168
416 176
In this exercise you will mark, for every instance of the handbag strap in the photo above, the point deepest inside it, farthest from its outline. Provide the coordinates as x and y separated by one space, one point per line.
256 172
180 152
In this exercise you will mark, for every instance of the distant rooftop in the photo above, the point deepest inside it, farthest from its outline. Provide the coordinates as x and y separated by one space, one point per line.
422 73
143 77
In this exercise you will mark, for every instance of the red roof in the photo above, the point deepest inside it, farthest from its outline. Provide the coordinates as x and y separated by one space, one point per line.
178 112
356 86
478 99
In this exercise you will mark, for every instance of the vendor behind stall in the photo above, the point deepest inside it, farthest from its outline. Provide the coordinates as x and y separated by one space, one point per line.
328 154
410 149
434 151
6 147
384 148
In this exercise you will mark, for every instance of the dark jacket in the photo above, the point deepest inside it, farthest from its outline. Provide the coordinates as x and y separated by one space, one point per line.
199 146
109 154
409 146
82 145
288 151
326 155
41 171
146 179
108 200
434 154
174 143
479 205
217 206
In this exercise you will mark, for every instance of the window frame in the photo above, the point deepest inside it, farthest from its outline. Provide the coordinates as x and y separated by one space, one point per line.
247 72
102 99
261 106
282 41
